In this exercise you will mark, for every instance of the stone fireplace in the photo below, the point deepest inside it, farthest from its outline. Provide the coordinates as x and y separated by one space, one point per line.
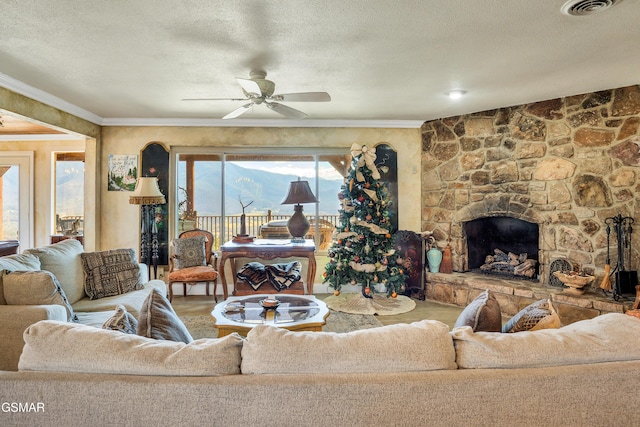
563 165
499 237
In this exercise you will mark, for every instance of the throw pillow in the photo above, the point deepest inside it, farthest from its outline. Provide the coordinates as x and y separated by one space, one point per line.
606 338
189 252
538 315
282 276
418 346
24 262
158 320
73 347
122 321
63 260
483 314
254 274
35 288
110 273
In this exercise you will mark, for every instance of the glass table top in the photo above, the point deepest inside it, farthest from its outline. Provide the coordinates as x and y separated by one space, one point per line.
249 309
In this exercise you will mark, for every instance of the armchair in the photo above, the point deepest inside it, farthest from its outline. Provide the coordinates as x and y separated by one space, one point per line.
193 265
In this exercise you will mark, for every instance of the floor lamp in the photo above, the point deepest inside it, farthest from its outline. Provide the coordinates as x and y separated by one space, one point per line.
147 194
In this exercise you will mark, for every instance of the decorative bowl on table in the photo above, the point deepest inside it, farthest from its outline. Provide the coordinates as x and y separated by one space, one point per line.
576 282
269 303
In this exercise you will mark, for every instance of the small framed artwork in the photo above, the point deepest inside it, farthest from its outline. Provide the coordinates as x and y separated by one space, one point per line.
123 172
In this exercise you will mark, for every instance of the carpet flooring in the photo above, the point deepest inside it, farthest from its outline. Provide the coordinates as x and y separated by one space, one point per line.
202 326
201 305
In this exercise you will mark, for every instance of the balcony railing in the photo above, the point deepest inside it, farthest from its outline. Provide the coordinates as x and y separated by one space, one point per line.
255 226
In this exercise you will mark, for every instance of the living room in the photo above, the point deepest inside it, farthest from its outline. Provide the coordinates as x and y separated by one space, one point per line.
531 148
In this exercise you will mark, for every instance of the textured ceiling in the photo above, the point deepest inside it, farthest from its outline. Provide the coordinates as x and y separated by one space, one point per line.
380 60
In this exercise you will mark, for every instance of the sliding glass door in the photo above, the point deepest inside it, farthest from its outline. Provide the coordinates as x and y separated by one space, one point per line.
214 189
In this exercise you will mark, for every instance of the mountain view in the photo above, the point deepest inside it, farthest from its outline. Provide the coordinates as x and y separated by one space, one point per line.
10 204
265 189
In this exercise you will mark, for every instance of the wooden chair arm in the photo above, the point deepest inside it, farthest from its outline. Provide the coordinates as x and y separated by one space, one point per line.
213 261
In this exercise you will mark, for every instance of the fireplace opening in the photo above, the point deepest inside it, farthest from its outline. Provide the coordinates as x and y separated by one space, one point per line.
511 243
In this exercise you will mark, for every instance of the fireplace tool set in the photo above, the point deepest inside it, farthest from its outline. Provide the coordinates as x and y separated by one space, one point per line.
625 280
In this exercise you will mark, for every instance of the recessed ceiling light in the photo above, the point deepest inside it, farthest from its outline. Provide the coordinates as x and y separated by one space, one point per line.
587 7
456 93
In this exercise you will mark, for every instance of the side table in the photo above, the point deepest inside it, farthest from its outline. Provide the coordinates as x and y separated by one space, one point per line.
267 249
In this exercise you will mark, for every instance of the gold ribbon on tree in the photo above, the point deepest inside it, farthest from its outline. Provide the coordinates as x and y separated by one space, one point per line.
367 157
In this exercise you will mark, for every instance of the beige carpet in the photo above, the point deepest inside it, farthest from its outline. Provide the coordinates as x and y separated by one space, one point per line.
356 303
202 326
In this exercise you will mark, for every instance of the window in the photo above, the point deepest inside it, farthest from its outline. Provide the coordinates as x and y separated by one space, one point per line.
9 197
69 193
213 189
16 201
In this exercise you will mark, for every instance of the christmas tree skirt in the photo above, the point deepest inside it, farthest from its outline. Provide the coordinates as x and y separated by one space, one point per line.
356 303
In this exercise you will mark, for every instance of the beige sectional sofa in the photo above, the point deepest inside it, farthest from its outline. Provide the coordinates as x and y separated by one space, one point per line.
63 259
419 374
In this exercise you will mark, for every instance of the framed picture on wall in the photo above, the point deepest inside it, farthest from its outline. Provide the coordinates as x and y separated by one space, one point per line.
122 172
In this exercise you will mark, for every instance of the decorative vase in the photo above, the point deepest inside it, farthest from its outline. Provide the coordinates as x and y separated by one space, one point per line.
434 256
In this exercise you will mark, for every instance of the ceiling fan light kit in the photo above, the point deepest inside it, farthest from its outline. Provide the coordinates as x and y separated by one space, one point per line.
258 90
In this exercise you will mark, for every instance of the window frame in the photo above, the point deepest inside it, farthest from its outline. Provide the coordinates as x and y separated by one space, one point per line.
79 156
177 151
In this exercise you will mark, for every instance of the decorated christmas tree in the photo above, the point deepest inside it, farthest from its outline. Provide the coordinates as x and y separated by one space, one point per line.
363 253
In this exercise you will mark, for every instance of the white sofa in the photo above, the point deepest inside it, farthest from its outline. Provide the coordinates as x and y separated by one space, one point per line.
421 374
64 261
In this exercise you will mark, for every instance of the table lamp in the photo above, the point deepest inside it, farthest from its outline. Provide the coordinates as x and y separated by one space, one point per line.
147 194
298 224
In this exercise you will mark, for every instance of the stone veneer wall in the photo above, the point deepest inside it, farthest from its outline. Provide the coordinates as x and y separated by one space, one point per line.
565 164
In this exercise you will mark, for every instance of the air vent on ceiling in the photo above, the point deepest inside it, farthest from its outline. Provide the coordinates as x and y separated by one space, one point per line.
587 7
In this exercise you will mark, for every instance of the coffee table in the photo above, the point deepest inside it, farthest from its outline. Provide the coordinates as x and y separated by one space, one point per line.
295 313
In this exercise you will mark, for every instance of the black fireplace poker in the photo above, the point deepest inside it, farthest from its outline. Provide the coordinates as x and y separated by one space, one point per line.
626 280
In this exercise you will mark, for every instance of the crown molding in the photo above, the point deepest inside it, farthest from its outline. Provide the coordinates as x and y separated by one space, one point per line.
21 88
283 123
43 137
41 96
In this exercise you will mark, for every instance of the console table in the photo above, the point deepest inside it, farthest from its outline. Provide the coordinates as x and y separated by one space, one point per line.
267 249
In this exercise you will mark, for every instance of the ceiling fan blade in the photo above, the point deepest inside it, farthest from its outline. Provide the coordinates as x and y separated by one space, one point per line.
303 97
214 99
250 86
238 111
290 113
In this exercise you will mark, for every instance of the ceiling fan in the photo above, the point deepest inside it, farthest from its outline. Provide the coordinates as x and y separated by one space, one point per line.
258 90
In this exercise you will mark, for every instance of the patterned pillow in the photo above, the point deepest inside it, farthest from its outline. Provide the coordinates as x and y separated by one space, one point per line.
35 288
109 273
158 320
189 252
254 274
122 321
538 315
483 314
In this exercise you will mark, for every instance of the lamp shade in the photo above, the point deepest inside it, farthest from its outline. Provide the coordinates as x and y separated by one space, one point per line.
299 192
147 192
